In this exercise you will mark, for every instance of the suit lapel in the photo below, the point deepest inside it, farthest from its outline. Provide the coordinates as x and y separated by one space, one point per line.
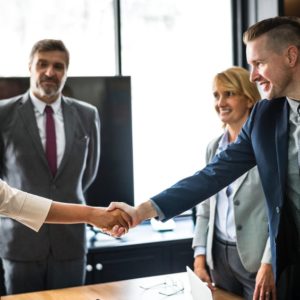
281 141
238 182
69 115
26 112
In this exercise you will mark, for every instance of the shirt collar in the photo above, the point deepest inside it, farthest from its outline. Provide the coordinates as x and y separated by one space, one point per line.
293 105
40 105
224 141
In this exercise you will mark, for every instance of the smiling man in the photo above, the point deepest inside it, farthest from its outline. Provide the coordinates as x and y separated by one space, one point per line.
50 146
269 139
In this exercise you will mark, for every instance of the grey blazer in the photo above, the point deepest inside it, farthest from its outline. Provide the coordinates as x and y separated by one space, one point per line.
250 215
23 165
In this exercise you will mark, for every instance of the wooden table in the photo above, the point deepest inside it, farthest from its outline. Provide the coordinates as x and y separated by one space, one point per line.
120 290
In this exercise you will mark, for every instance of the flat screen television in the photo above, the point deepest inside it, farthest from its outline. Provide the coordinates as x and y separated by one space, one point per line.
112 97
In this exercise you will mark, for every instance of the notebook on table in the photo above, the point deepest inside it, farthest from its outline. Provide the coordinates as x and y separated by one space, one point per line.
199 289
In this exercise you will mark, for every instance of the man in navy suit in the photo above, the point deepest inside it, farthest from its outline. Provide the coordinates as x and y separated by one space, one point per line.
269 139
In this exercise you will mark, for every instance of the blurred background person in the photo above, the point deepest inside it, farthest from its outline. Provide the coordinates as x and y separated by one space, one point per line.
50 147
231 234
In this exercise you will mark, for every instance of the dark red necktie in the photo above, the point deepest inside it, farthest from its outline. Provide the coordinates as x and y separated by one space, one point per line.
50 140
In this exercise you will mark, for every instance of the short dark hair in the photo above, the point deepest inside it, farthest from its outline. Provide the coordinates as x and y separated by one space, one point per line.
280 30
49 45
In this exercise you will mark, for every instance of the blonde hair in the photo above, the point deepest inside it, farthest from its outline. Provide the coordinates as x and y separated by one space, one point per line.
237 80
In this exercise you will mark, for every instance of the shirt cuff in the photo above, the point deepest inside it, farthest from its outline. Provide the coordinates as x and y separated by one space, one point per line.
34 211
199 250
160 215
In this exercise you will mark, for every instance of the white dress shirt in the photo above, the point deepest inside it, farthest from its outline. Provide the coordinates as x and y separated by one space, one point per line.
25 208
293 176
224 221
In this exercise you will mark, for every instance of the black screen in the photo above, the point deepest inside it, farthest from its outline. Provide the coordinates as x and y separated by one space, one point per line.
112 97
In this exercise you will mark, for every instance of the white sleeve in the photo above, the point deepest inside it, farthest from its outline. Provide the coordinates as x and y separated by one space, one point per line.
25 208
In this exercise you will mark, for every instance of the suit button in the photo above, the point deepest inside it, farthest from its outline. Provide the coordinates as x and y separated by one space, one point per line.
277 209
237 202
239 227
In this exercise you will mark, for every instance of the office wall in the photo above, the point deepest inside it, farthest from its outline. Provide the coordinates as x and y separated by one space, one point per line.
246 13
291 8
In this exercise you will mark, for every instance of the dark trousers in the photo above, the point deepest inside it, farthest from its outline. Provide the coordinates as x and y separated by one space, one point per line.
288 287
288 255
23 277
2 286
229 273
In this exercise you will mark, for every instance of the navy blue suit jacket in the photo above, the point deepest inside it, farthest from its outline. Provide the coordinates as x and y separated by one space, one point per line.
263 141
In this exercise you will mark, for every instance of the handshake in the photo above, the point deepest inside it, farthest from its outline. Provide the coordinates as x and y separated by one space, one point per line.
118 217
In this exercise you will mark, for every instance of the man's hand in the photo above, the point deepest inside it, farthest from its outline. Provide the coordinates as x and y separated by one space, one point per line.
201 272
265 283
104 219
118 230
130 210
137 214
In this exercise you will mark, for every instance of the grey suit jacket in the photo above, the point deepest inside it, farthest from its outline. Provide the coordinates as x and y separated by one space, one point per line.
23 165
250 216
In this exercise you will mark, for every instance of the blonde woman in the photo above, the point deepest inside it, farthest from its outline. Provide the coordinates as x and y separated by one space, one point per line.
231 234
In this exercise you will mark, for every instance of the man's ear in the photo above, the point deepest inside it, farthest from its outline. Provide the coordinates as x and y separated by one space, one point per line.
292 55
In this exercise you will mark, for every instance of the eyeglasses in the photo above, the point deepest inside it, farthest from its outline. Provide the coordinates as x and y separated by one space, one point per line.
168 287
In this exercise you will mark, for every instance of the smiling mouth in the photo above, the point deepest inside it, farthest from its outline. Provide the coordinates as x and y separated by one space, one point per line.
225 111
265 85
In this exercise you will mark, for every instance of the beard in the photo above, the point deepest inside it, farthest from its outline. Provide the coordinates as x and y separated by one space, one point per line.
48 86
48 90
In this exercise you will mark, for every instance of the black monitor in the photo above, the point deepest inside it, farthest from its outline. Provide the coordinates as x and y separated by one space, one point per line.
112 97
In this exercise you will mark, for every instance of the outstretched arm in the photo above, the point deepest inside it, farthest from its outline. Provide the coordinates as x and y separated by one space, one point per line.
33 211
66 213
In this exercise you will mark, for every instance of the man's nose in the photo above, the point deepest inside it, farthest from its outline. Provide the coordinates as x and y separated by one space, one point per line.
50 71
253 75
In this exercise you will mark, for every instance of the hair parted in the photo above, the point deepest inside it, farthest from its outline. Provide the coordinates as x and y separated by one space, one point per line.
281 31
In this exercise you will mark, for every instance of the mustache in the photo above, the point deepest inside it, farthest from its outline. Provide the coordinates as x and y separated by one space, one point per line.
47 78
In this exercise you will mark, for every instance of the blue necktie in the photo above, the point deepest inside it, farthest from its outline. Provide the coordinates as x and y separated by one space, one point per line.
228 191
